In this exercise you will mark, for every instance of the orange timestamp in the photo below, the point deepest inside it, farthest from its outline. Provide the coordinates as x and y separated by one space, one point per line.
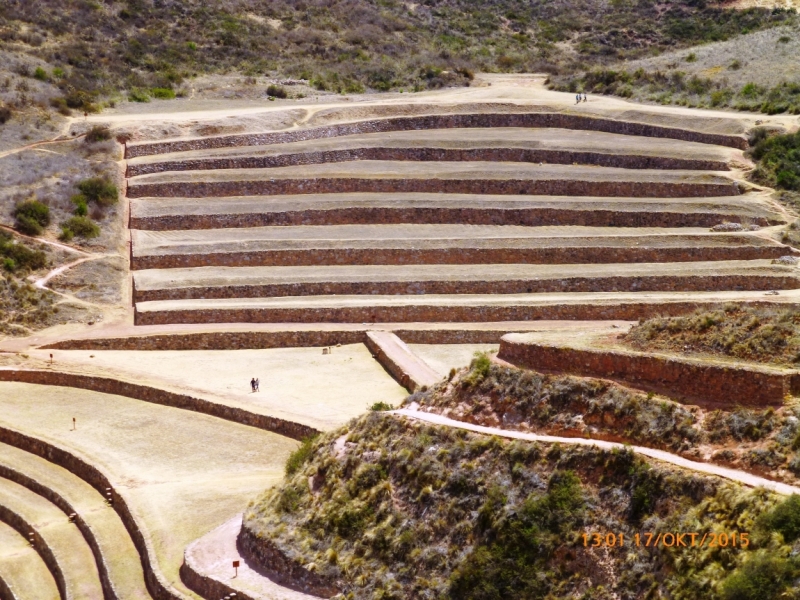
669 539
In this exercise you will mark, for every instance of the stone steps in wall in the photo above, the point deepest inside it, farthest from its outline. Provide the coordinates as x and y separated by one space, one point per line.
477 209
440 244
702 130
114 552
440 308
255 282
59 542
553 146
433 177
23 573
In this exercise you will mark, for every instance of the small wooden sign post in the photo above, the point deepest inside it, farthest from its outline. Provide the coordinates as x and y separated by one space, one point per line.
235 568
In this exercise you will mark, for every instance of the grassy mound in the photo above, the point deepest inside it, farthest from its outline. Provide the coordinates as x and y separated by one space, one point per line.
387 508
766 335
778 160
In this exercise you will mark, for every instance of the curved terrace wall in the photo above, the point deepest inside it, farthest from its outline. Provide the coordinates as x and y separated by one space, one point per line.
17 522
52 496
550 120
104 385
678 378
400 256
281 568
559 157
158 588
339 185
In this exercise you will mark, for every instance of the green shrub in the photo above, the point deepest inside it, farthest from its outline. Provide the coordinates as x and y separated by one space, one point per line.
19 256
763 577
31 217
82 227
99 190
98 133
298 458
138 95
379 406
479 368
779 161
276 91
40 74
81 208
691 57
784 518
66 234
162 93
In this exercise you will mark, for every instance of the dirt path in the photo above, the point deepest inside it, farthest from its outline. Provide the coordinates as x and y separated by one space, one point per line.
705 468
527 89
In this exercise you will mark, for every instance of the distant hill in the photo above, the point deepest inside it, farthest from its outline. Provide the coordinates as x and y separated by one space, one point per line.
349 45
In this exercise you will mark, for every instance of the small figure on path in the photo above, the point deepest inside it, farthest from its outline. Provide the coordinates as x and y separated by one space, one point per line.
51 359
577 98
74 424
584 97
253 384
257 382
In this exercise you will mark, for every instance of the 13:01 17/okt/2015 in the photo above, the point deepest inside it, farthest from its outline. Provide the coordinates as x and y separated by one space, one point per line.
669 539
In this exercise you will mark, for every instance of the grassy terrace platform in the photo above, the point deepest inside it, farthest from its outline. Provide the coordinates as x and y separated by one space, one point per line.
450 177
254 282
118 558
475 209
59 542
438 308
443 244
22 571
496 144
181 473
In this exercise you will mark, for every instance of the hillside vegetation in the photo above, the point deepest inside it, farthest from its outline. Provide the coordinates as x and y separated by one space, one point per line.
761 441
388 508
148 47
758 72
767 335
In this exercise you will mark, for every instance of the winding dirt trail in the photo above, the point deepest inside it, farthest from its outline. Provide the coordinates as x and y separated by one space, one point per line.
698 467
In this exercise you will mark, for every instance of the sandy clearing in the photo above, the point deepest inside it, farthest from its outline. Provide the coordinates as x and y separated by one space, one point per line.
443 357
297 384
181 472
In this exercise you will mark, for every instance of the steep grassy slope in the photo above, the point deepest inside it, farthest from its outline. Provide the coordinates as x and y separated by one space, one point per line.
386 508
347 45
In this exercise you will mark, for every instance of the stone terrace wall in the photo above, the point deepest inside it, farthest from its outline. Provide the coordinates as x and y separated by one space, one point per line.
560 157
555 120
18 523
158 588
280 568
623 311
678 378
227 340
463 255
207 587
109 593
340 185
663 283
385 215
295 431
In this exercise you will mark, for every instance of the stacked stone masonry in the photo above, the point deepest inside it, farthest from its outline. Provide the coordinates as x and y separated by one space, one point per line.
552 120
678 378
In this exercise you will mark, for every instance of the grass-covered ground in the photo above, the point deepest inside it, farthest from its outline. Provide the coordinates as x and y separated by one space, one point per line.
767 335
387 508
147 48
758 71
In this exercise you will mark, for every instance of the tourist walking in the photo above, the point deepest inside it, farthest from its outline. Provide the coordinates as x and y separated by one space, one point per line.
257 382
253 384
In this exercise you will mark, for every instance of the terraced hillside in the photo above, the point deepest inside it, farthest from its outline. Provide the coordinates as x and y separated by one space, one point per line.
495 215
